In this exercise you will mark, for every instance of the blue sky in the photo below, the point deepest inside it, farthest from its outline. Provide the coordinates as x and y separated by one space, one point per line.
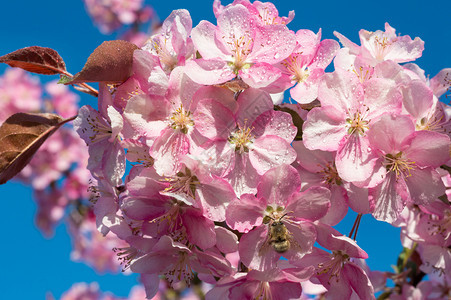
33 265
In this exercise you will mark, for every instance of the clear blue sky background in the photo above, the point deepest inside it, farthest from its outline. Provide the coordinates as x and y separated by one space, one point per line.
33 265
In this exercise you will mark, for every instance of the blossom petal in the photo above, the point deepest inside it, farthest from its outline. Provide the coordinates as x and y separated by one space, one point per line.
324 129
279 184
311 204
203 36
245 213
275 123
270 151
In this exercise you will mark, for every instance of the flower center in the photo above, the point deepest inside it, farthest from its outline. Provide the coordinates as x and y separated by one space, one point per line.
183 182
442 226
432 123
242 138
330 174
296 65
382 46
125 256
181 120
356 122
240 47
180 270
334 265
170 223
166 58
364 73
398 164
100 129
263 292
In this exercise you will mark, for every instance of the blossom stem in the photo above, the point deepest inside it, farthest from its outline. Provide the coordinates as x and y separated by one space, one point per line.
355 227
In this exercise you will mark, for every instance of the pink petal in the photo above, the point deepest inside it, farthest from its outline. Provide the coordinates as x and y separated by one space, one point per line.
272 44
275 123
266 77
359 281
146 115
429 149
203 36
303 235
404 49
209 72
244 177
358 199
340 89
196 223
338 206
217 155
425 185
245 213
213 120
307 91
417 99
234 24
440 83
113 163
386 200
226 241
147 71
285 290
324 128
307 42
312 160
270 151
167 150
279 184
355 160
143 208
333 240
215 195
382 95
221 95
391 133
311 204
353 48
252 103
325 53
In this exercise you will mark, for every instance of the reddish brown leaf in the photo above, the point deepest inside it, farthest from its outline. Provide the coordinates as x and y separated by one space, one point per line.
21 135
36 59
111 62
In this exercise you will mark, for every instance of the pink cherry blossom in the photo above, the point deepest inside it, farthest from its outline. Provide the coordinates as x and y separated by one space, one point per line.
107 157
379 46
408 159
336 271
19 92
272 284
317 167
306 64
173 44
348 108
64 101
265 12
239 46
281 205
247 143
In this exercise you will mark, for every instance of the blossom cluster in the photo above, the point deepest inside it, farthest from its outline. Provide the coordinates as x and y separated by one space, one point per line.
84 291
57 173
92 292
109 15
225 180
222 185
